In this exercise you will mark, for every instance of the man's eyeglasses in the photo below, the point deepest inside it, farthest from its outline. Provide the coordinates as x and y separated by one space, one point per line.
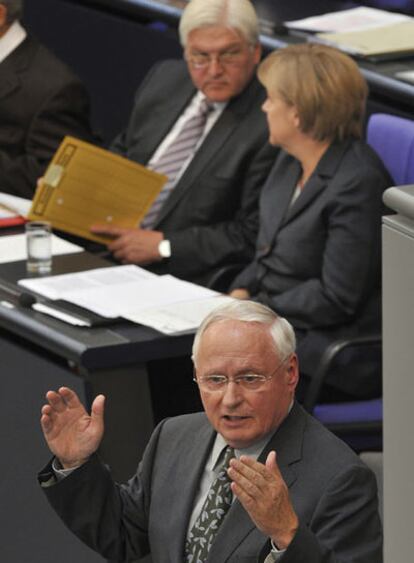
247 381
226 58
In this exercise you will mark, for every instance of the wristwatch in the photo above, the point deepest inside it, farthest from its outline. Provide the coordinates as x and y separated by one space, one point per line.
164 249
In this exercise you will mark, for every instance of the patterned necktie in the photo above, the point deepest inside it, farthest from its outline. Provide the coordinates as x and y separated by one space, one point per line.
212 513
172 161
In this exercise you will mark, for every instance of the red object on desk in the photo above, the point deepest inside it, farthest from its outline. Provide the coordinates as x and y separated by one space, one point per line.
12 221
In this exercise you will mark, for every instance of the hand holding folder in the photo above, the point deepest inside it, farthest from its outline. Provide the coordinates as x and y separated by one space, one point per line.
134 246
85 185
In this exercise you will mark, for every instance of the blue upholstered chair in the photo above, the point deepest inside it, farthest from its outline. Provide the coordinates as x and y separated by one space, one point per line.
359 423
392 138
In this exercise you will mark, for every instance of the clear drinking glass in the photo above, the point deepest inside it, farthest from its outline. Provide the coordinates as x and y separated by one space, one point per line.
39 247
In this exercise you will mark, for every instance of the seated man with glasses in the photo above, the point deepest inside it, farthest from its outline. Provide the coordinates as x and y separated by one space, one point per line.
199 122
253 478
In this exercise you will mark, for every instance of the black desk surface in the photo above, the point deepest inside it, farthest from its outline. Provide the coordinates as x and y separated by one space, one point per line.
272 13
93 348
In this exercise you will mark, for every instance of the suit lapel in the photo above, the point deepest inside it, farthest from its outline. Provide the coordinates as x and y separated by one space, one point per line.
213 143
12 66
8 83
165 115
325 170
287 442
311 190
277 195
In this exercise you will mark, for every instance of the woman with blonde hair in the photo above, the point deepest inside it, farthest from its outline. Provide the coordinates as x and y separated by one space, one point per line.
318 252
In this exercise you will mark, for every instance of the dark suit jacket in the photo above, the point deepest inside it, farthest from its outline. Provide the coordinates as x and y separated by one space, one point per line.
211 217
318 262
41 101
333 493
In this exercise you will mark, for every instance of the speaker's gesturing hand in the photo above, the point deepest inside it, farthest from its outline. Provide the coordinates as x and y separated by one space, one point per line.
264 494
70 432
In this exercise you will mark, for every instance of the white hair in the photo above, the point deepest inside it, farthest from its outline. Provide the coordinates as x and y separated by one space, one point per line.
235 14
280 329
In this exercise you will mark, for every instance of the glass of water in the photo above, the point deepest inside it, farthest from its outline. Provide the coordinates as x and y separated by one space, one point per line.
39 247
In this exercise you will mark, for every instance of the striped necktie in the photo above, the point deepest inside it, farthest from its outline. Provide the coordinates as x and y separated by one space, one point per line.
172 161
213 511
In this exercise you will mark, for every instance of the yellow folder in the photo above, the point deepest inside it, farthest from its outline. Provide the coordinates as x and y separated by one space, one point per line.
86 185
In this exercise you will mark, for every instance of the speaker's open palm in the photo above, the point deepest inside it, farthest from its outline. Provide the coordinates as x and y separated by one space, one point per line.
70 432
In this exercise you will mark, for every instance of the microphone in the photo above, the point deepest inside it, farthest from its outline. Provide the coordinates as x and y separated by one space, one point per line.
26 300
29 301
22 298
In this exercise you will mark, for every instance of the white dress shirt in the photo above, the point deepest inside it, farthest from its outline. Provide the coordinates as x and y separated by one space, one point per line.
15 35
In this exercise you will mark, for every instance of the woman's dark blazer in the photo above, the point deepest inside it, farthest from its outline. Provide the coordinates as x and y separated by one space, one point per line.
318 261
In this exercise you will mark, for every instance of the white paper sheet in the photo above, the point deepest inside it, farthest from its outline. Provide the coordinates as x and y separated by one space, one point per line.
7 214
65 317
354 19
165 303
90 281
20 205
13 247
178 318
128 299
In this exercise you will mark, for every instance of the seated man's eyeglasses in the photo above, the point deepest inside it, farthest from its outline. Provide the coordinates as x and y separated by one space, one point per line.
228 57
247 381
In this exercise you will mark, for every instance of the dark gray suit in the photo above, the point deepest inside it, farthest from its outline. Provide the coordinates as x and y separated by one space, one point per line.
333 493
41 101
211 217
318 262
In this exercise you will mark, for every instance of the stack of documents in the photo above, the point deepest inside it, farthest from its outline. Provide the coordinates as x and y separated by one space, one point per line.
165 303
366 32
9 218
390 41
344 21
13 210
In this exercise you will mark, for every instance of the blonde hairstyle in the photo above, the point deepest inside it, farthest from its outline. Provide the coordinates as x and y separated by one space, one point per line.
234 14
325 86
281 331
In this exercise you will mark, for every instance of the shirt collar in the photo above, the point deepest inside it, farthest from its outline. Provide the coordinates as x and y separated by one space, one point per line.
252 451
13 37
216 105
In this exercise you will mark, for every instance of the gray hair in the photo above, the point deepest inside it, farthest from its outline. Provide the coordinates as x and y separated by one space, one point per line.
236 14
14 9
280 329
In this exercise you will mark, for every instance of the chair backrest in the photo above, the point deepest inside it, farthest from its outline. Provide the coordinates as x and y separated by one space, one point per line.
359 422
392 137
